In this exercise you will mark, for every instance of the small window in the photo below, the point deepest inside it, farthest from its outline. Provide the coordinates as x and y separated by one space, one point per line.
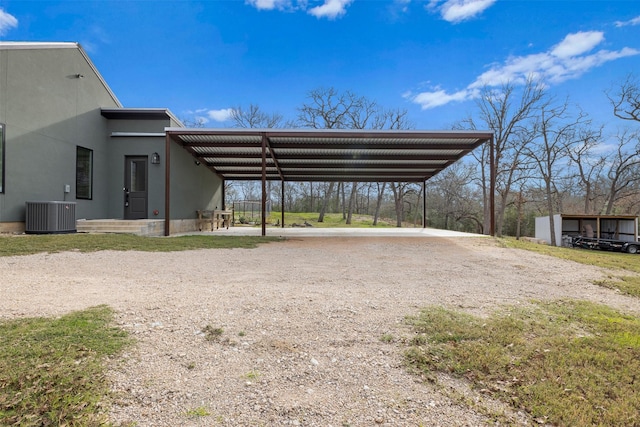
1 158
84 173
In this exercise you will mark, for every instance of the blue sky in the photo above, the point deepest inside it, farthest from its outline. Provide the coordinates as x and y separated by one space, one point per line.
430 57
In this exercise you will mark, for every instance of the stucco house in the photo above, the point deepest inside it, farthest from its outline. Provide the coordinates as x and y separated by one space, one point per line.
64 136
71 153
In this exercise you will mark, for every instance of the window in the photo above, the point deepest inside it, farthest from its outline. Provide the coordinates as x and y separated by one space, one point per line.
1 158
84 173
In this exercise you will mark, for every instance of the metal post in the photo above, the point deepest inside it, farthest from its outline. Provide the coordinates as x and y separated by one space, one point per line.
282 203
492 188
424 204
264 184
167 185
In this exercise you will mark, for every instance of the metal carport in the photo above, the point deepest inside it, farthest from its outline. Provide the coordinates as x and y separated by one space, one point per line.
305 155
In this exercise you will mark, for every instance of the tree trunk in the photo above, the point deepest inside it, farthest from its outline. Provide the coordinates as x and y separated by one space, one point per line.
552 223
379 203
352 197
325 201
344 204
397 197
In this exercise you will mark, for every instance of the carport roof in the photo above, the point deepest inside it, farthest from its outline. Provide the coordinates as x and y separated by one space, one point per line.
327 155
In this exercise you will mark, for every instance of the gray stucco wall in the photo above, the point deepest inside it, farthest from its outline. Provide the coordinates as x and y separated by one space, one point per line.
193 186
136 146
48 111
50 102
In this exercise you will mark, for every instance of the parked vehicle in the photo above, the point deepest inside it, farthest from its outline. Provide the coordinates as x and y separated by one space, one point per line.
605 244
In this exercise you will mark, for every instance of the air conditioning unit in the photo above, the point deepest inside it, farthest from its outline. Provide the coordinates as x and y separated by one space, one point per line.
50 217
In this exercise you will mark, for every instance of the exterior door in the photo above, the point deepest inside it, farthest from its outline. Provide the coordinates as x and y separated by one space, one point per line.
135 187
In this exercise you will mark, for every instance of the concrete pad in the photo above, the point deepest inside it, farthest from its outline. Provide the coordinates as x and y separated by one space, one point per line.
338 232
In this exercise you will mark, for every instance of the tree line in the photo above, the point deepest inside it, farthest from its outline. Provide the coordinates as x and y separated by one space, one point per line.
549 157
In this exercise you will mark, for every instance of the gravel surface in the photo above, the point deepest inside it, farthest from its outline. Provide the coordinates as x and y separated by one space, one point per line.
299 323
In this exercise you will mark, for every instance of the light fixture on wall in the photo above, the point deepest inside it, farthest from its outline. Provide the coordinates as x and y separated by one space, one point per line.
155 159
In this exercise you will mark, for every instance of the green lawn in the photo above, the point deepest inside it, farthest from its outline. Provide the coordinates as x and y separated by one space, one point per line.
331 220
625 268
52 370
29 244
567 363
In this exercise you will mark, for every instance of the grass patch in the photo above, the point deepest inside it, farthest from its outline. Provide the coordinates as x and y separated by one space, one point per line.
331 220
212 333
30 244
606 259
52 371
200 411
565 363
627 284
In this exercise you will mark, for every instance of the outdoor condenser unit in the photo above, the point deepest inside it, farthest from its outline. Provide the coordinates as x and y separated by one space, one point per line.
50 217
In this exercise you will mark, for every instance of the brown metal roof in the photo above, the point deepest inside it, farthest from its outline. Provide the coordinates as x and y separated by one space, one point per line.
327 154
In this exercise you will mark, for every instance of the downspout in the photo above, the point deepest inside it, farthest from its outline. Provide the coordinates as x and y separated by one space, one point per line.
167 185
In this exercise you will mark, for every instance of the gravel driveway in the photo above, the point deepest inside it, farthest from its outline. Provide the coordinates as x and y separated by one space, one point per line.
301 323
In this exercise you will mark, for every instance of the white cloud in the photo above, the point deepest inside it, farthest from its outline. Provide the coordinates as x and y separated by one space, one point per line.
456 11
634 21
567 60
270 4
439 97
577 43
7 22
330 9
220 115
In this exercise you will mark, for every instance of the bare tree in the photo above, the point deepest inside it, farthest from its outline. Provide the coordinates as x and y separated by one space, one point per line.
196 122
509 115
451 192
379 199
555 132
327 108
254 117
626 100
623 174
588 165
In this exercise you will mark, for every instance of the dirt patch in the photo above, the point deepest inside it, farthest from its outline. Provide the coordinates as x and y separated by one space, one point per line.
301 324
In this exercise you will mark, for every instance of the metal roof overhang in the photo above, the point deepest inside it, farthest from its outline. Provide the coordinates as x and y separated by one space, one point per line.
307 155
326 155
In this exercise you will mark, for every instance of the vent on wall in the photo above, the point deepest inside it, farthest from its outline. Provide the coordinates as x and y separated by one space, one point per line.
50 217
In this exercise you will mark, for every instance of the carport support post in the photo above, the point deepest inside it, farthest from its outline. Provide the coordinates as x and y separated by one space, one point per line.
492 188
167 185
282 203
264 184
424 204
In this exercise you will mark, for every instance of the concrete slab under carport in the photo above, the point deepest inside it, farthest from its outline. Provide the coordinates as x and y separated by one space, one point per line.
337 232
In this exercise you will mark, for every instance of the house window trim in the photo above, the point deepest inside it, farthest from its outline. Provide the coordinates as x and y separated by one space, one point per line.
90 151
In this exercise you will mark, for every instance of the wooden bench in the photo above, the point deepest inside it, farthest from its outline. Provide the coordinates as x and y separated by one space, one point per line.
213 218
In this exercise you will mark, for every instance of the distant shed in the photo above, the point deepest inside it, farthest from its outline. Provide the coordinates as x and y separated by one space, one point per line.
617 227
